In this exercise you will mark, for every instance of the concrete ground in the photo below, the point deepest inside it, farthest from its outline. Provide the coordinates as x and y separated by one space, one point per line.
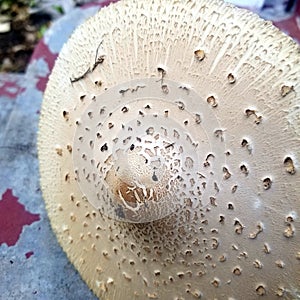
32 264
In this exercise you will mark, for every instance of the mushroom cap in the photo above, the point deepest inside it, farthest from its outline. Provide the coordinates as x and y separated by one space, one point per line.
169 153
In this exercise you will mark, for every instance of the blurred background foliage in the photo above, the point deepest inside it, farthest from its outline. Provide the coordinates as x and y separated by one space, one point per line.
22 24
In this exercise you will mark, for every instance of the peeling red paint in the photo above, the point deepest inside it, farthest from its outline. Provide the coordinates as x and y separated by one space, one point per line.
42 83
291 25
29 254
42 51
13 217
101 4
92 4
10 89
108 2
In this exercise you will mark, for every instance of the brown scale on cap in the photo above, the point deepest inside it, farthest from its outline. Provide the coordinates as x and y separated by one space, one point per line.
169 157
199 54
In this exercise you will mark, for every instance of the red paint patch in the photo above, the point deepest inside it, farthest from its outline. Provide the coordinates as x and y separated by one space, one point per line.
290 26
42 51
10 89
13 217
101 4
29 254
106 3
42 83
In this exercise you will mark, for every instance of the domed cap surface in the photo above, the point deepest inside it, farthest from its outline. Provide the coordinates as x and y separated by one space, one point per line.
169 153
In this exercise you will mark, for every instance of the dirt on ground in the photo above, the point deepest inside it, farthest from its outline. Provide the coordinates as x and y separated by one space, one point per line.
20 31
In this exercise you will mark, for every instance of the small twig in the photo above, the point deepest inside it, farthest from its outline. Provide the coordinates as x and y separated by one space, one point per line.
98 60
80 77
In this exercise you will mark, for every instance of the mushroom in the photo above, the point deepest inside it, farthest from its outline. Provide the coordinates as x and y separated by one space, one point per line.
153 191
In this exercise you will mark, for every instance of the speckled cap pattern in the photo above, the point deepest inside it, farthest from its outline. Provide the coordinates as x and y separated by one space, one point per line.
169 153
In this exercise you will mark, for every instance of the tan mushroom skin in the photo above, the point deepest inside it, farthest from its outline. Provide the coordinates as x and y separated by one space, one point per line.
169 153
